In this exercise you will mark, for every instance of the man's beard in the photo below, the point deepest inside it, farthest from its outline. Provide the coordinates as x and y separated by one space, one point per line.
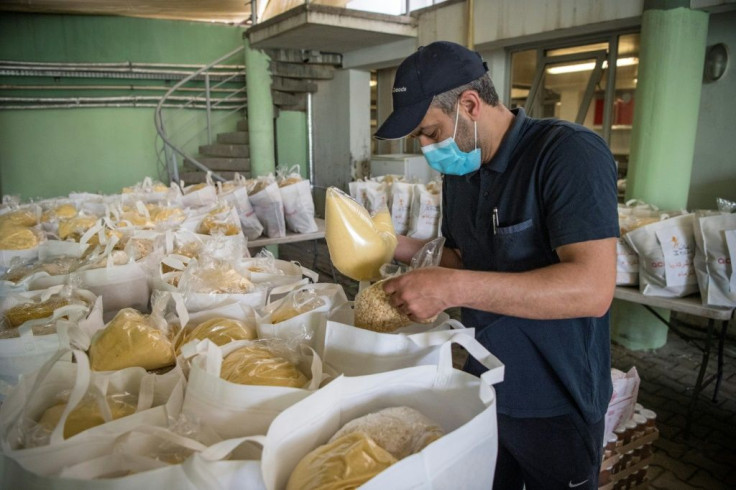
465 136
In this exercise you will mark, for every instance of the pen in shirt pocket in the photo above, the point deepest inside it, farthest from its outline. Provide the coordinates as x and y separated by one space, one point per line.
495 220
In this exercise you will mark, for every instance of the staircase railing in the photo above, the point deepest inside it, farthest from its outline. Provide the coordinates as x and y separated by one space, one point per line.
220 100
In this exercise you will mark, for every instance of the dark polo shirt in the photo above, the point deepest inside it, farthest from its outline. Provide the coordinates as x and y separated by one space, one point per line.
551 183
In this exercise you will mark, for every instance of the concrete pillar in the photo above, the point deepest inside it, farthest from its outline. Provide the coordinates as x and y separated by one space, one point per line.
291 140
671 57
260 111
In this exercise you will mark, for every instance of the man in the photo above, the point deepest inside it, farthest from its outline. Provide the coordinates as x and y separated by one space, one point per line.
530 222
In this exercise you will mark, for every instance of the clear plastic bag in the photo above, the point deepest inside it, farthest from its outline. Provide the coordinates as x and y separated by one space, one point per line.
373 311
359 244
132 338
269 362
296 303
91 411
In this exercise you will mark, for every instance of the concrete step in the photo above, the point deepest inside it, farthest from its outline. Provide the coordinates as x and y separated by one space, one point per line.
225 164
233 138
294 70
196 177
242 125
227 151
293 85
288 99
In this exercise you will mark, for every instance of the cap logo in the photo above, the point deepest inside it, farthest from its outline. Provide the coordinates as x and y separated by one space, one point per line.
398 89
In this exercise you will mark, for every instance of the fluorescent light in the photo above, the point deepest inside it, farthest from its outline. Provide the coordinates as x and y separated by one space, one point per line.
557 70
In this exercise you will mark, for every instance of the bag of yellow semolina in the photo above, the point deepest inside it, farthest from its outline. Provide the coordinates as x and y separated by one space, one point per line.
219 330
132 339
19 237
359 244
262 363
87 414
345 463
24 217
364 447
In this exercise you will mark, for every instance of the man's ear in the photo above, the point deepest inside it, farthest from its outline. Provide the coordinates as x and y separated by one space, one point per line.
470 101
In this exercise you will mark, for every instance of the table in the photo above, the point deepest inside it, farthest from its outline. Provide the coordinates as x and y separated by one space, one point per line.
691 305
292 237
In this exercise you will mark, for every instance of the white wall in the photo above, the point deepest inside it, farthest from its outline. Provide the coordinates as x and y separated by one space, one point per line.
714 164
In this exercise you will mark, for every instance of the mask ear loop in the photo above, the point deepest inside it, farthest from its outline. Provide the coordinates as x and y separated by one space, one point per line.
457 114
475 133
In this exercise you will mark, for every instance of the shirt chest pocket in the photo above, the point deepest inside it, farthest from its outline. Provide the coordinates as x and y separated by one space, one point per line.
518 247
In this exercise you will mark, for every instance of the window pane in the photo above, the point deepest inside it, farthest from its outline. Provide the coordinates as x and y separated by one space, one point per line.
523 66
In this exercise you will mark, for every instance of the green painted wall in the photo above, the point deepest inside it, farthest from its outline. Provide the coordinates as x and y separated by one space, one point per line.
291 140
51 152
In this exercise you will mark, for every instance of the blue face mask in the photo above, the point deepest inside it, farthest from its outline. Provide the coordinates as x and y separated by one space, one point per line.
447 158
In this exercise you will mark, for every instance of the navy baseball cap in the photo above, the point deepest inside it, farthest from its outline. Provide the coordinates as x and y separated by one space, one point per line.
431 70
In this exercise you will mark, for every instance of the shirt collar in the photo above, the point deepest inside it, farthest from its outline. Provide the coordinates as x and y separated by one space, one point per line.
500 160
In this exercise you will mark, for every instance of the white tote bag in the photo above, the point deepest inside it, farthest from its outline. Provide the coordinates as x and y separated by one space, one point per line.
195 196
666 250
299 207
269 208
205 469
232 409
356 351
28 352
238 198
713 264
401 200
159 397
304 325
462 404
425 212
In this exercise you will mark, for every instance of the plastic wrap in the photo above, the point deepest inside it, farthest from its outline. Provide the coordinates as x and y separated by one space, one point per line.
214 276
59 212
87 414
219 330
19 237
132 339
33 310
54 266
221 220
265 363
345 463
402 431
359 244
296 303
24 217
74 228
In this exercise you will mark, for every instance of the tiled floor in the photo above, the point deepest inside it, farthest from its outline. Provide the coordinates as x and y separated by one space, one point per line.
706 459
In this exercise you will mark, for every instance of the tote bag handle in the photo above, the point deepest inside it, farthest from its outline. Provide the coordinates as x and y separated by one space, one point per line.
495 367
